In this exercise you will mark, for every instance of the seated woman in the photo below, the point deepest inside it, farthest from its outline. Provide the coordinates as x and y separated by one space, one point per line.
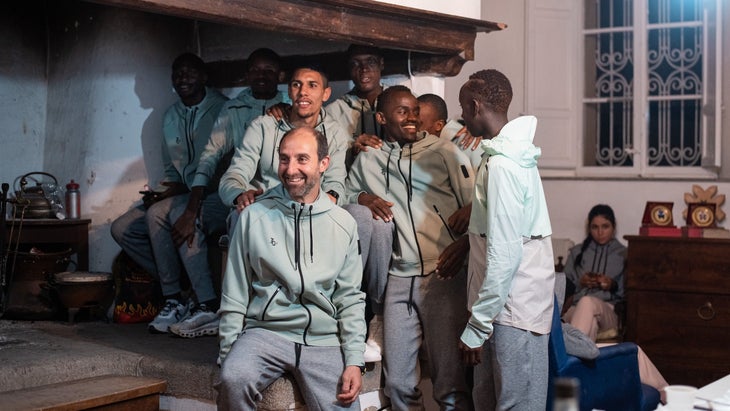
596 269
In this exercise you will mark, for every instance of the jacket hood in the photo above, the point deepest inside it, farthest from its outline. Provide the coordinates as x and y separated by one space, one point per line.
408 152
212 99
301 214
281 198
411 149
514 141
357 103
285 125
246 97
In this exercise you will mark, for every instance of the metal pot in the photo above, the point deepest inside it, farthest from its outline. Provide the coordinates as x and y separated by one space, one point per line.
84 289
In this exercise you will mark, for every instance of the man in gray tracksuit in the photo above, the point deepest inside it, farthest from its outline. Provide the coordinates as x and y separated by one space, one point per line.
253 167
413 180
291 299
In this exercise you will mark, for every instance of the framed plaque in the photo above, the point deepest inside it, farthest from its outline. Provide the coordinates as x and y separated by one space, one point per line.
701 215
658 214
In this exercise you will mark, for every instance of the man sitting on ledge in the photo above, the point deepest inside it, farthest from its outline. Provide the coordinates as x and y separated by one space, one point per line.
291 303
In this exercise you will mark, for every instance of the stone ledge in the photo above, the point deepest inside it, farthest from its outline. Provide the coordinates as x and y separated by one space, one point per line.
45 352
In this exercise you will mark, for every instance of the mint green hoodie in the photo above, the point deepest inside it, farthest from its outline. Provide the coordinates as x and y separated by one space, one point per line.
256 160
510 213
295 269
228 131
186 131
430 172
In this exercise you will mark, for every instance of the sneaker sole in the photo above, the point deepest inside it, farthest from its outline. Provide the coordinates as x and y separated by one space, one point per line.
199 332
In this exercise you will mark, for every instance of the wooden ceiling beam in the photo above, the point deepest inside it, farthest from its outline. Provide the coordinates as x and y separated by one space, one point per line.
352 21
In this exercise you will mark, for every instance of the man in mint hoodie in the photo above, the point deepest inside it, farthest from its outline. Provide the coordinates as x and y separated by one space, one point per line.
511 254
253 167
263 74
171 234
291 293
414 180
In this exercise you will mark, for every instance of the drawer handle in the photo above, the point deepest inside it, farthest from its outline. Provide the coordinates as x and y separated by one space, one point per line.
706 312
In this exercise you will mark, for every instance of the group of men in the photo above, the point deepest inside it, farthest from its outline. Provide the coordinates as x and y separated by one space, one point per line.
413 205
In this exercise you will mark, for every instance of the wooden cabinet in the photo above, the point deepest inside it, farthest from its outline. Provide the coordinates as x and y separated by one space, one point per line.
678 305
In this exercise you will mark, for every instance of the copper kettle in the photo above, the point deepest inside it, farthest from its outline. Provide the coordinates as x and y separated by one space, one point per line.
34 201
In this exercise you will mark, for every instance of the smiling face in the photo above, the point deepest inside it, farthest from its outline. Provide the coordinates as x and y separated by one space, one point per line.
307 92
300 168
189 83
602 230
399 117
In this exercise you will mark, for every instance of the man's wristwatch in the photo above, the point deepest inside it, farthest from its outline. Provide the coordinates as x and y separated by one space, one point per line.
362 369
334 194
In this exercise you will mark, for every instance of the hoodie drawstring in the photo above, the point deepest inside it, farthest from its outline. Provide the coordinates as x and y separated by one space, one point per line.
189 137
311 236
409 186
296 236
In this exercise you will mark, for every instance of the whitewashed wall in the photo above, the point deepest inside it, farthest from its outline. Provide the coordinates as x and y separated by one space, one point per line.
23 94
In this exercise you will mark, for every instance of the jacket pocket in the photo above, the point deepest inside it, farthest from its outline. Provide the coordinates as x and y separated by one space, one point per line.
268 303
329 302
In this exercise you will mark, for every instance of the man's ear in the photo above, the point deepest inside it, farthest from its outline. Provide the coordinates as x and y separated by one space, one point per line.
439 125
323 164
476 106
327 93
379 117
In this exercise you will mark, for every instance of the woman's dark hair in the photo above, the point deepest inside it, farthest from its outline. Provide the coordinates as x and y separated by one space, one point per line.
602 210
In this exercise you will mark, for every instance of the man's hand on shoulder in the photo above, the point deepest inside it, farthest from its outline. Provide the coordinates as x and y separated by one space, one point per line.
279 111
247 198
468 141
351 383
379 207
363 141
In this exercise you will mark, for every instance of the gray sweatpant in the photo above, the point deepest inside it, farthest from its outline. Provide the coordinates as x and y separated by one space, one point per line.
425 310
259 357
145 235
376 249
513 374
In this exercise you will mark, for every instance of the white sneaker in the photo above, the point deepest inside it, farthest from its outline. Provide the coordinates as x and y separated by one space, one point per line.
374 344
372 353
201 321
173 312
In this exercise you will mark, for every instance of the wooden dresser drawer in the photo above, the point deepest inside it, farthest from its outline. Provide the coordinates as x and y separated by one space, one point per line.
686 335
676 264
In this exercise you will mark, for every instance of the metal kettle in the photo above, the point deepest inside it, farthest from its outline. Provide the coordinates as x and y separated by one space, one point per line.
33 201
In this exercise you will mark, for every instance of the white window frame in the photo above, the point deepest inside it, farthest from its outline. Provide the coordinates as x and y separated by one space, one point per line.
711 118
553 87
